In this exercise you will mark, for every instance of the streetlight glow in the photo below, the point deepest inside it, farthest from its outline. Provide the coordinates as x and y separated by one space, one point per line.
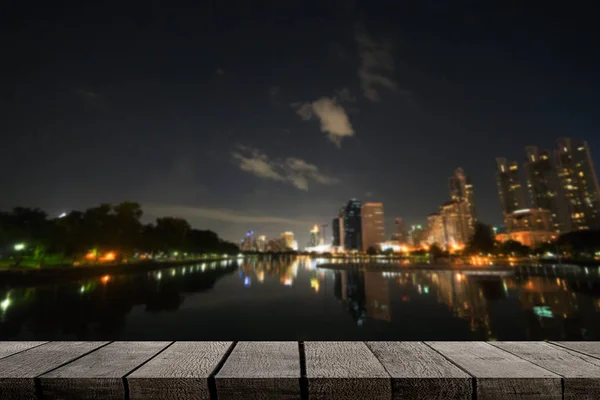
19 246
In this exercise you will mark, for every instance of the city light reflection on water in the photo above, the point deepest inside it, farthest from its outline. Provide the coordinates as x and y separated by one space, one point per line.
301 298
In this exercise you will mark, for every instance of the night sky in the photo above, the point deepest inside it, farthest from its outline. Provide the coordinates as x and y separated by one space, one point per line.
269 116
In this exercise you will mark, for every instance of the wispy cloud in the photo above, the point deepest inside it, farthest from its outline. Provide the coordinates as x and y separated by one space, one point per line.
334 119
258 164
220 214
376 63
294 171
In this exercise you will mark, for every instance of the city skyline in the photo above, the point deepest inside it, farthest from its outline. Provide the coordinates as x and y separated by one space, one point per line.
548 208
242 118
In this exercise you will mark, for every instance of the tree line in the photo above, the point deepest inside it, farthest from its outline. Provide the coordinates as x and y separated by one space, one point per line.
106 228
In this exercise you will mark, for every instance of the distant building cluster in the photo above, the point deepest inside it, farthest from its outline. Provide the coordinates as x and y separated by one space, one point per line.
561 193
254 243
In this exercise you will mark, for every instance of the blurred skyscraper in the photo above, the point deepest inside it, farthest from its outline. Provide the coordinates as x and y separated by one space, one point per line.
353 225
372 225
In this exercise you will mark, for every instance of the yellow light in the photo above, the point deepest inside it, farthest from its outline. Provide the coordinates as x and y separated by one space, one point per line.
314 283
105 279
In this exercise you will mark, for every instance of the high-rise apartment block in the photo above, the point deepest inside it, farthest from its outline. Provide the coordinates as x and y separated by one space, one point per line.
509 186
545 191
353 225
562 181
579 183
461 190
372 225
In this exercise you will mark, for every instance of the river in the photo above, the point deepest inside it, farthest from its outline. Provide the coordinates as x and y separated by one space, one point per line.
298 299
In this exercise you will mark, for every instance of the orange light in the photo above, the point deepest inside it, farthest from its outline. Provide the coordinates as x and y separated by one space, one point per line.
110 256
90 256
105 279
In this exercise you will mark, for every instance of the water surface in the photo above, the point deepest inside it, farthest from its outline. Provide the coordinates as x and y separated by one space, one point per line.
296 299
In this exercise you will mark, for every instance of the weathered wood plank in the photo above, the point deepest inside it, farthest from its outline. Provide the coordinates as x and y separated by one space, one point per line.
581 372
10 348
501 375
99 375
419 372
17 372
260 370
589 348
179 372
345 370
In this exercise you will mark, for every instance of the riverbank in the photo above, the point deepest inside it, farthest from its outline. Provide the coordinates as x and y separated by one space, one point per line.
26 276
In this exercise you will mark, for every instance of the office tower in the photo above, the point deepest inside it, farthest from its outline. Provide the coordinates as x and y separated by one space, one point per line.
248 243
435 229
400 233
352 225
461 190
315 237
578 181
417 235
456 217
544 189
288 239
372 224
509 186
261 243
337 225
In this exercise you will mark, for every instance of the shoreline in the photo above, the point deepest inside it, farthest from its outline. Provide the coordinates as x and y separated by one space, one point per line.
23 276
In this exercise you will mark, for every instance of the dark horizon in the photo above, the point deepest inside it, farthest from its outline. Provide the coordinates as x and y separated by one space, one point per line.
269 118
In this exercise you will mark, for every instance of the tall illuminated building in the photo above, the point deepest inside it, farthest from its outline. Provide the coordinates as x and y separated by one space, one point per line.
545 191
372 225
510 190
353 225
315 237
337 225
461 190
261 243
578 180
400 233
417 235
249 242
288 239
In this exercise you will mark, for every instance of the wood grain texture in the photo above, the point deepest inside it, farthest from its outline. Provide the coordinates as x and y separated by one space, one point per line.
18 371
179 372
260 370
10 348
501 375
581 373
419 372
345 370
99 375
589 348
